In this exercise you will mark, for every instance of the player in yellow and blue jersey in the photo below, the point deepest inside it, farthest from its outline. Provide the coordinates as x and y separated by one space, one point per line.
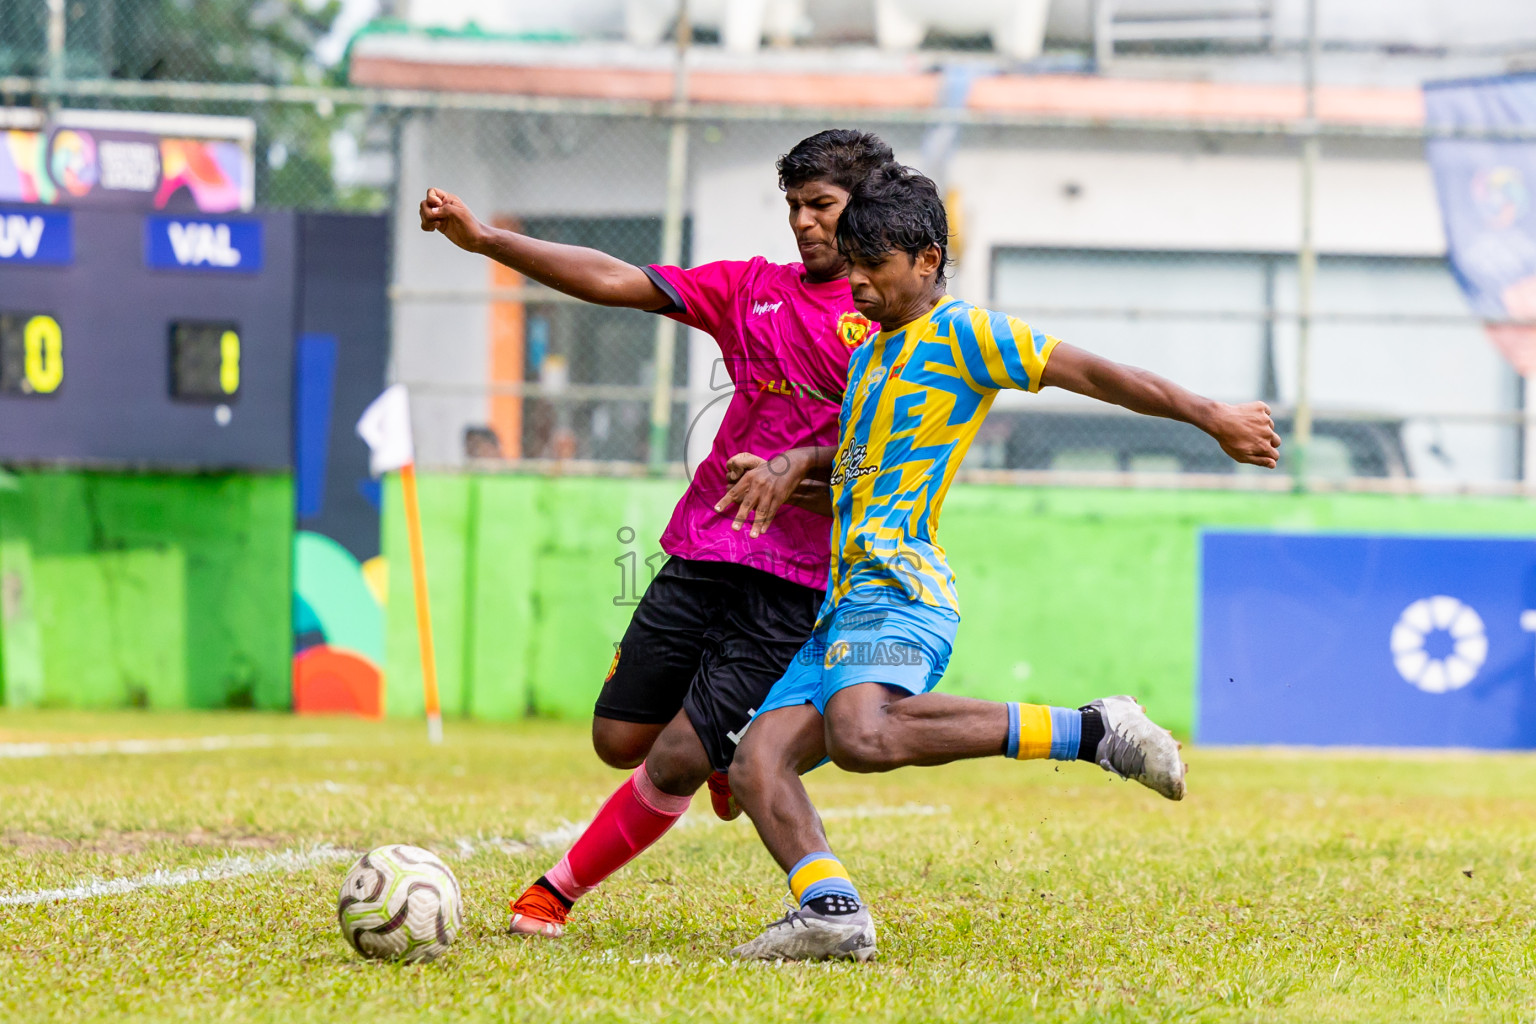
859 691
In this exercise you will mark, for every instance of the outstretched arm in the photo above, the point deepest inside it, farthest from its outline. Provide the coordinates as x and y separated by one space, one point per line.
585 274
1245 432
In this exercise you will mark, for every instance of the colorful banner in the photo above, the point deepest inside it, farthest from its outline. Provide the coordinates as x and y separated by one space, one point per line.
1486 190
1367 640
340 578
120 159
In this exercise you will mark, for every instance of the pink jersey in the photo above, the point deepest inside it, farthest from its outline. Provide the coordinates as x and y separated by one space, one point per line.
785 344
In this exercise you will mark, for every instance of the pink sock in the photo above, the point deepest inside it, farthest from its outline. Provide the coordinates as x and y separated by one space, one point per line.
634 817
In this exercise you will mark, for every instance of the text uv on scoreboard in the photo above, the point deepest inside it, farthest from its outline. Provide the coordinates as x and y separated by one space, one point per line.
1366 640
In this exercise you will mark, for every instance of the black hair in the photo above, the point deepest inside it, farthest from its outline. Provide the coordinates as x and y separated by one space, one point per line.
842 156
895 208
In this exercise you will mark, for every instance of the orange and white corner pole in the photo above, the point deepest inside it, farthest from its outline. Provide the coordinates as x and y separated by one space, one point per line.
423 606
386 426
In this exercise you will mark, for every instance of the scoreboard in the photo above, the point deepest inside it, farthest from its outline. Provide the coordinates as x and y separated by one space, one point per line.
31 354
147 339
205 361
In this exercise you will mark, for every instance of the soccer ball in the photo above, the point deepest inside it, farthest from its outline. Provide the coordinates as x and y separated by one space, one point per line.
400 903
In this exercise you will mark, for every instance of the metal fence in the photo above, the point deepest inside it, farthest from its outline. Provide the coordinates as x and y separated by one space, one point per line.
1404 390
1407 392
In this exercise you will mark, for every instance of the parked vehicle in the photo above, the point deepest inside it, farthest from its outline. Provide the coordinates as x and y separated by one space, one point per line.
1113 442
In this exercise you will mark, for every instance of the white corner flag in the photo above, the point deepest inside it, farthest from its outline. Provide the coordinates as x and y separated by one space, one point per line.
386 426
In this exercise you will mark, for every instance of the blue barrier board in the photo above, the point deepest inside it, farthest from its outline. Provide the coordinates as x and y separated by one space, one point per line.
1367 640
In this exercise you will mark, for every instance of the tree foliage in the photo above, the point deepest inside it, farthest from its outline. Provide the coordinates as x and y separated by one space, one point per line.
269 41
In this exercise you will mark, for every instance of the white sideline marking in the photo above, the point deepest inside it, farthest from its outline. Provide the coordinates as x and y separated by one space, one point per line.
298 860
230 867
181 745
648 959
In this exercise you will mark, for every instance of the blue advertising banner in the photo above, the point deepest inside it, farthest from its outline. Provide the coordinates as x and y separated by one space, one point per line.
314 394
216 244
32 236
1367 641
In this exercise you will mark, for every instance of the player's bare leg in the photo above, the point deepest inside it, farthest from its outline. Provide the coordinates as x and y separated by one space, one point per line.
637 814
874 728
779 747
871 727
678 763
830 922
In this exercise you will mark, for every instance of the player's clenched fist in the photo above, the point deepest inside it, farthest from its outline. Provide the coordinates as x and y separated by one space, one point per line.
445 212
1247 433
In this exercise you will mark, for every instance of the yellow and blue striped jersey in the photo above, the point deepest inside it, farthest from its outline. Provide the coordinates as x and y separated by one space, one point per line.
916 397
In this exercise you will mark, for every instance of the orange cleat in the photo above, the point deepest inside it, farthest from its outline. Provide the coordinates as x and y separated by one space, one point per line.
538 912
725 805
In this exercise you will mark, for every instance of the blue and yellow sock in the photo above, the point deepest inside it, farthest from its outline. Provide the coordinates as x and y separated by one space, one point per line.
1037 730
820 878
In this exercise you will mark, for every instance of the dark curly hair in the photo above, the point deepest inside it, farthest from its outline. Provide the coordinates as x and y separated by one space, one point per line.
842 156
896 208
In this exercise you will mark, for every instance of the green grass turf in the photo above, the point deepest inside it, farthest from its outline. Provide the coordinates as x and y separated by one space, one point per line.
1289 887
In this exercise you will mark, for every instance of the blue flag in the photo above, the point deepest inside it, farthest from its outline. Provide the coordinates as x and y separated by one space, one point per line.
1486 190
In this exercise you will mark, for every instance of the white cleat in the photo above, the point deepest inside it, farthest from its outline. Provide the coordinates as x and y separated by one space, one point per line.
805 934
1135 747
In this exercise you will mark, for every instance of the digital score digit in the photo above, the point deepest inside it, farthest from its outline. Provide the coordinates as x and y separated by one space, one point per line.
205 361
31 354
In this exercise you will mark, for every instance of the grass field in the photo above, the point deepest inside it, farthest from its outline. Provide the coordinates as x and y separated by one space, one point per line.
1288 887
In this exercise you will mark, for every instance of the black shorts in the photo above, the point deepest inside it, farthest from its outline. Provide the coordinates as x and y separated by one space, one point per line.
710 638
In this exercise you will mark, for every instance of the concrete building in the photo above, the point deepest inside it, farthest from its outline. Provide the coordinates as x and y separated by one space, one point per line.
1151 211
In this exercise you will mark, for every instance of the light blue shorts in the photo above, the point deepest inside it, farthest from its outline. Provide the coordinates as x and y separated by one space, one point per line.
903 644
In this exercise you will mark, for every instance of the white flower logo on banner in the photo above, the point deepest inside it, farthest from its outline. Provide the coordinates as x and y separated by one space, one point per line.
1460 665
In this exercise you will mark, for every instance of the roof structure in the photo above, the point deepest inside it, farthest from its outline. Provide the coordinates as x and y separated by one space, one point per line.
852 79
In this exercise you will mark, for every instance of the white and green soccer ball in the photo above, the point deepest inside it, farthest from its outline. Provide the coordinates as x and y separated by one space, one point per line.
400 903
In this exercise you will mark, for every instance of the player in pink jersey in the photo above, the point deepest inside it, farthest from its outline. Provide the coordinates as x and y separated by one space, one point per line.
724 616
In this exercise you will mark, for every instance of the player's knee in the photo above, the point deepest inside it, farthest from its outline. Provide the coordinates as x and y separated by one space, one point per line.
750 771
859 747
678 778
619 756
677 764
622 744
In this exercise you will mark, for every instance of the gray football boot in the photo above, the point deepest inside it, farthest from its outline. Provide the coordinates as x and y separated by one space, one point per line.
1135 747
807 934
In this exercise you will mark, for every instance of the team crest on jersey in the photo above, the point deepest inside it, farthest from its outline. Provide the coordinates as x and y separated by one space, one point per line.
613 666
852 329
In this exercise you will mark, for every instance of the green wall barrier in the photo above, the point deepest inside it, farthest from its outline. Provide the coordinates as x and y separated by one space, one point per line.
146 590
522 580
1067 595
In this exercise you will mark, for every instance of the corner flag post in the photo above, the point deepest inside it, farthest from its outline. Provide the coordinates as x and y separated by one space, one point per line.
423 608
386 426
